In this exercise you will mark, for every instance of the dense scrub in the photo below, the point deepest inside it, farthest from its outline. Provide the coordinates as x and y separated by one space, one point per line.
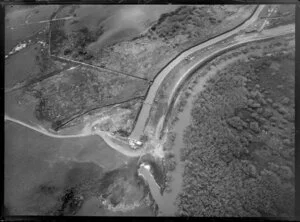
239 149
76 91
174 32
170 161
120 186
72 44
149 51
187 18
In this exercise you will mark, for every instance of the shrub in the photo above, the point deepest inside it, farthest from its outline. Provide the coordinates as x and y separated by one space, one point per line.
236 123
285 101
254 127
169 155
171 164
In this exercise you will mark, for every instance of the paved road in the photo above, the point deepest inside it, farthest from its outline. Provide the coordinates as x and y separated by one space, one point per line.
264 35
123 147
145 111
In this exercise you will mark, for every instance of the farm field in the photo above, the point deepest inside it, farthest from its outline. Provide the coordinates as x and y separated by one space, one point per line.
21 23
33 65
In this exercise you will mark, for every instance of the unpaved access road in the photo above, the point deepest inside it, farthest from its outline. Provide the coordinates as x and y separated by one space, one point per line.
114 143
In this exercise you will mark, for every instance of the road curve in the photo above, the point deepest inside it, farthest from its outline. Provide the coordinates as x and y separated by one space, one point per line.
145 111
267 34
114 143
123 147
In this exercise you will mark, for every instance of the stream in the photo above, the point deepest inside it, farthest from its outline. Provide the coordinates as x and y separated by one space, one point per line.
167 202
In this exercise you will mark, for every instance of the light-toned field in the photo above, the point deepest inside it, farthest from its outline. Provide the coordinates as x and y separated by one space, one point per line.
33 160
21 23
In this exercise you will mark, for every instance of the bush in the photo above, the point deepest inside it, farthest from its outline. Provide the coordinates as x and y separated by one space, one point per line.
171 164
224 156
237 123
169 155
144 138
254 127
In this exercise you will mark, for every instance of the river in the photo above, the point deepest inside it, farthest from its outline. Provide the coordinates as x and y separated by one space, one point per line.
167 202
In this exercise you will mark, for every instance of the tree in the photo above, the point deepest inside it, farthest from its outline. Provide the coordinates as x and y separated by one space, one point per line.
144 138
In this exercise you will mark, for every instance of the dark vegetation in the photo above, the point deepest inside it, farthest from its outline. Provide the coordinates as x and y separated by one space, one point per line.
123 185
239 154
86 180
72 44
169 160
171 136
122 133
43 61
174 31
177 22
195 22
80 183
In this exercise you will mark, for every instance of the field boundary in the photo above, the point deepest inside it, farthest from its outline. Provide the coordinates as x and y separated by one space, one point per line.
90 110
95 67
83 63
36 80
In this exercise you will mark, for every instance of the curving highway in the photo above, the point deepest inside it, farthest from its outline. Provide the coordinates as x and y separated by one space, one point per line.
143 116
123 146
267 34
